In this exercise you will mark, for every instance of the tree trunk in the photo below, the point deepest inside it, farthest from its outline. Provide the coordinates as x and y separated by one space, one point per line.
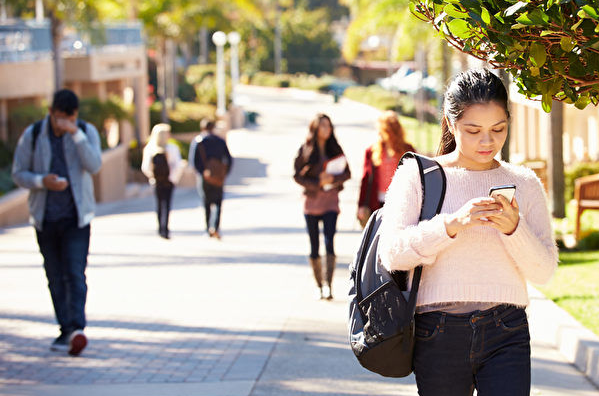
161 77
171 72
56 29
203 46
555 160
278 45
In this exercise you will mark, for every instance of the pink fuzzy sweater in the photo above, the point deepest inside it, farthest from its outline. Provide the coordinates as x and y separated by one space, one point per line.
480 264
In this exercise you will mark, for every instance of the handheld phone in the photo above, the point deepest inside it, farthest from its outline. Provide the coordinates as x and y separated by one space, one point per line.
61 179
507 191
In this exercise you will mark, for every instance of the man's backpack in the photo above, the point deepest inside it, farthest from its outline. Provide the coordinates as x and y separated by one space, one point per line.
215 170
37 127
381 311
160 169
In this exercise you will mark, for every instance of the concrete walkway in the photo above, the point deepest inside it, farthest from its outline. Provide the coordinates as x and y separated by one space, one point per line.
195 316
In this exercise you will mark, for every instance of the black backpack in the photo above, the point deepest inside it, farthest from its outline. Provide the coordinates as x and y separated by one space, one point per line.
381 311
160 169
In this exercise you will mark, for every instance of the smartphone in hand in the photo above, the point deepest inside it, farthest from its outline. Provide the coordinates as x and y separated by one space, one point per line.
507 191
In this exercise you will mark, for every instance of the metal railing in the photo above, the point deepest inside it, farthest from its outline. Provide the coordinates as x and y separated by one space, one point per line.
23 40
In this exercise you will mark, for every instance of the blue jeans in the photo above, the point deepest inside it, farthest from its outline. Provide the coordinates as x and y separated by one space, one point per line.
487 350
213 198
329 221
164 196
64 247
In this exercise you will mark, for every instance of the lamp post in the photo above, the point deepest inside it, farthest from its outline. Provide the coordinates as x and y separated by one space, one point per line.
234 39
220 39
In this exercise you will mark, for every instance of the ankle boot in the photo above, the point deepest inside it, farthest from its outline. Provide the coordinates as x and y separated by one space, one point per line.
330 268
316 265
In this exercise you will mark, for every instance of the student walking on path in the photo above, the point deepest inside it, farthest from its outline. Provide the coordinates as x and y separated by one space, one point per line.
55 159
321 169
380 161
477 254
161 163
213 162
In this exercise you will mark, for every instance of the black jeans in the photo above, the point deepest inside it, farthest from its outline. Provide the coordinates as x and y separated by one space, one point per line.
487 350
329 221
65 247
164 195
213 195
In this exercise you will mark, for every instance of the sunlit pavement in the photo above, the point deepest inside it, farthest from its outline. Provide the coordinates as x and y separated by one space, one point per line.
196 316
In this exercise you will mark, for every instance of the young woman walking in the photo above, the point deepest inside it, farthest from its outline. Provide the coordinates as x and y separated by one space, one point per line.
380 161
161 163
321 168
477 254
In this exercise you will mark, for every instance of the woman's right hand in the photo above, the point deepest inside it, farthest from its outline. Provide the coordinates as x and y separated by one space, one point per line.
473 213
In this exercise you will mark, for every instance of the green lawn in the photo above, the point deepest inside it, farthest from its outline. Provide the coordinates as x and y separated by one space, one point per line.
424 137
575 287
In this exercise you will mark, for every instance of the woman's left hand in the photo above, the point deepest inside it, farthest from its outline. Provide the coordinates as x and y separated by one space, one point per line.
506 221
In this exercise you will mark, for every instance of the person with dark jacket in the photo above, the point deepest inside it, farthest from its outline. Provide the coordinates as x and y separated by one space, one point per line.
321 169
212 160
380 161
55 159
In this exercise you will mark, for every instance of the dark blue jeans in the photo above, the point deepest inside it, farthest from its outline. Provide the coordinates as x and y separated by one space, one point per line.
65 247
329 221
213 195
164 196
487 350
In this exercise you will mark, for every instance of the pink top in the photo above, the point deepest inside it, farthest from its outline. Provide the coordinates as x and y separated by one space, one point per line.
323 201
479 264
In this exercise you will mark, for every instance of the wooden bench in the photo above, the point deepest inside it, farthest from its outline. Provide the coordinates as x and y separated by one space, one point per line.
586 195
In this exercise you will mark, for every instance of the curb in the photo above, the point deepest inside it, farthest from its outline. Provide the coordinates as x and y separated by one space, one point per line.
552 325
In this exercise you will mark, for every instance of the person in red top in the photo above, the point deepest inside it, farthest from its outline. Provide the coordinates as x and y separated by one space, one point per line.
380 161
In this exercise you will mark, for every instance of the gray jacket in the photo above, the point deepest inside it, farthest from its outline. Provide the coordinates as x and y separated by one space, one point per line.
83 156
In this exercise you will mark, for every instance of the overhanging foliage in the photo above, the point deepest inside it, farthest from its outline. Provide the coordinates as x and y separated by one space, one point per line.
551 47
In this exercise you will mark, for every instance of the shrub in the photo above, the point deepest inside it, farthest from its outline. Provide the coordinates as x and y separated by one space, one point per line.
21 117
574 172
590 242
6 183
6 154
186 92
196 73
185 118
374 96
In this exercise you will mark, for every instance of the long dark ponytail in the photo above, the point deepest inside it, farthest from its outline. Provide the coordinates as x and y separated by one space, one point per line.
467 88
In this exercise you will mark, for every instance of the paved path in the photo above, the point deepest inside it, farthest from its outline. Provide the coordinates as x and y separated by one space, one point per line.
195 316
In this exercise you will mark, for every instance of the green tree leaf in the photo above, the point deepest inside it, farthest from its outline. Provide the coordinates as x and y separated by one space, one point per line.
547 101
567 44
452 11
582 102
538 56
486 17
590 11
460 28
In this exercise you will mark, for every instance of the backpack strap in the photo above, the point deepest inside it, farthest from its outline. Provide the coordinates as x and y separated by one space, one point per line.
37 127
433 192
433 183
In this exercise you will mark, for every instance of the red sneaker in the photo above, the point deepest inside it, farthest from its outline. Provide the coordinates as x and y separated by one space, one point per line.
77 342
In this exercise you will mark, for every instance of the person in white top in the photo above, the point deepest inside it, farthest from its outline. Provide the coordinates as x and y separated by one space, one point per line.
477 254
162 164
